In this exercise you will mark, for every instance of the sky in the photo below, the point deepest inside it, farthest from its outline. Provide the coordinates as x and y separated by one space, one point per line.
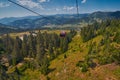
51 7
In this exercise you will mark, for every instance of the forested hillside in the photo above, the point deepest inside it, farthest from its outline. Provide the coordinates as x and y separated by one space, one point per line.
32 52
104 50
92 54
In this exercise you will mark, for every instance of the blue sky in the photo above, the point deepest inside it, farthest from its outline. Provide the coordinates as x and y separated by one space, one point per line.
50 7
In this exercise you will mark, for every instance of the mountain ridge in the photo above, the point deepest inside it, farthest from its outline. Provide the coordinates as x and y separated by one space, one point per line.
60 19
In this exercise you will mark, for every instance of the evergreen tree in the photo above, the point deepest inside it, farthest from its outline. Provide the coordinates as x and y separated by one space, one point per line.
44 67
24 46
50 49
8 43
64 44
16 55
31 44
40 48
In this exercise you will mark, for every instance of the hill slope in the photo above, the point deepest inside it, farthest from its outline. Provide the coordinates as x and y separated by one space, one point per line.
92 54
65 68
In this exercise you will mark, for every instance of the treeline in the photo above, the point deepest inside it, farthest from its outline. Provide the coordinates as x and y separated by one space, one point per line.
96 29
106 50
33 51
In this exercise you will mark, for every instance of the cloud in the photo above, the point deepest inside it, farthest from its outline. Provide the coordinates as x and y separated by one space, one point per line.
57 9
4 5
83 1
30 4
41 1
68 8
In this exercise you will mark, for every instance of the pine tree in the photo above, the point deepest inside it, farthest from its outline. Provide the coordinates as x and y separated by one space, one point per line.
24 46
40 48
64 44
50 49
7 40
31 44
16 55
44 67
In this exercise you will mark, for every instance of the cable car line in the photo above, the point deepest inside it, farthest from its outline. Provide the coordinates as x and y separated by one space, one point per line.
58 21
25 7
77 7
34 11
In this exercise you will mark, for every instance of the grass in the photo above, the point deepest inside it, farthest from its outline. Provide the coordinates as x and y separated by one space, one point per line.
32 75
117 73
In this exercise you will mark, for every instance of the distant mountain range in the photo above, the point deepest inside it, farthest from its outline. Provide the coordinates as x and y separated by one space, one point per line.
33 22
5 29
42 21
12 19
8 29
103 15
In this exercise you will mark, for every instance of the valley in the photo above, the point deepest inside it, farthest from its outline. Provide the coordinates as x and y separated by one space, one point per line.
59 40
77 56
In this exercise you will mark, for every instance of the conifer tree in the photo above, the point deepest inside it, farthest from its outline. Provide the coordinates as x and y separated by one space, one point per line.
32 48
24 46
45 64
7 40
16 55
40 48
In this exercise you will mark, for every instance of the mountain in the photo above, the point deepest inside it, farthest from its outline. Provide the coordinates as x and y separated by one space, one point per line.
101 16
12 19
8 20
5 29
24 23
61 19
104 15
8 29
47 20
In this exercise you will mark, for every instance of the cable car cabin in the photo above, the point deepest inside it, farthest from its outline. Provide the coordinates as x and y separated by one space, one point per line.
62 34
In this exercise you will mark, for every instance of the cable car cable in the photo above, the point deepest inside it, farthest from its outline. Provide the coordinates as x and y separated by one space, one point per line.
34 12
42 15
77 7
